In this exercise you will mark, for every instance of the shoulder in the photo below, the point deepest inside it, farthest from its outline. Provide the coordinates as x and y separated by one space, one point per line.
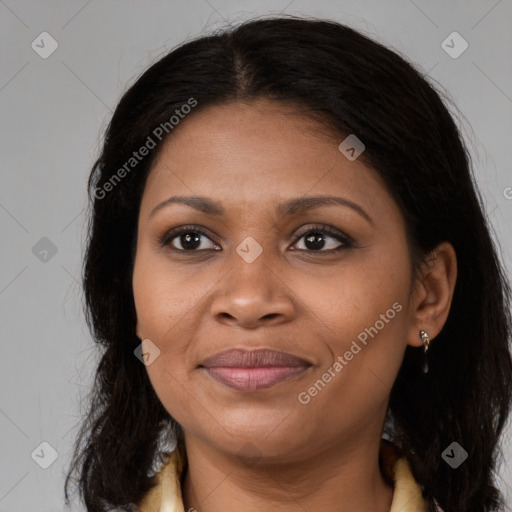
407 492
165 495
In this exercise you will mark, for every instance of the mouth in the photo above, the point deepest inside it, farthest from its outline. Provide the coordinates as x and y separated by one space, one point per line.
253 370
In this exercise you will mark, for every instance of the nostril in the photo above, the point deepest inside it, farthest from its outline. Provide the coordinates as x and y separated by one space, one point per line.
227 315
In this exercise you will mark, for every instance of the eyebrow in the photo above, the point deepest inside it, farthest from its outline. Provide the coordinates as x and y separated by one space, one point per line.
288 208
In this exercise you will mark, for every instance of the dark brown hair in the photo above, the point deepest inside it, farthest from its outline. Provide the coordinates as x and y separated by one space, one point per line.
357 86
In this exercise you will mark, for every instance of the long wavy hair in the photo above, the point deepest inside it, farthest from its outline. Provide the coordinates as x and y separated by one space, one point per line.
354 85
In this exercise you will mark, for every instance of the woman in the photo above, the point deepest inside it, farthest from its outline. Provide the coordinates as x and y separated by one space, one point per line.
292 276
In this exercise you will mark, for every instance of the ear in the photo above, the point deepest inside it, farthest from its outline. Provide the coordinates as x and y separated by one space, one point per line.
433 293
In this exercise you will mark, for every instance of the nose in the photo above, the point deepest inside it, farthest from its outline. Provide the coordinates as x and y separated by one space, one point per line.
252 295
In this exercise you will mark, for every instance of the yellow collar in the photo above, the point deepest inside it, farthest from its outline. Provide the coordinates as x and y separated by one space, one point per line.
165 496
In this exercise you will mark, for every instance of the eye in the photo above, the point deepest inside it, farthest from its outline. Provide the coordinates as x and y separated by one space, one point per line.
324 238
319 238
188 239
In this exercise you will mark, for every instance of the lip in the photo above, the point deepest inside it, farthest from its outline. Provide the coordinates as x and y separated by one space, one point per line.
253 370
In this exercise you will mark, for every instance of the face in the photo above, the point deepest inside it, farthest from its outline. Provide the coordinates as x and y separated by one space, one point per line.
322 286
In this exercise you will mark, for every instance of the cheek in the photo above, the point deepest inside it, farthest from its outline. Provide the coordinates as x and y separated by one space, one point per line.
167 304
161 318
352 389
363 308
163 295
353 296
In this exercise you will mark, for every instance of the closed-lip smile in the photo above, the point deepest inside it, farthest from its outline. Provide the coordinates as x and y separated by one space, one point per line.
253 370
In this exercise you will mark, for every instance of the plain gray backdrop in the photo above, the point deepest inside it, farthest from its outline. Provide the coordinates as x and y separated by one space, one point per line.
54 108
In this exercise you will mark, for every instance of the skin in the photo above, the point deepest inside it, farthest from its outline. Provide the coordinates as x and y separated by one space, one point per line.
323 455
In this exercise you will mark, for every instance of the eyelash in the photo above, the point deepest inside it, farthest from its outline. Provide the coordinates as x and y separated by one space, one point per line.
323 229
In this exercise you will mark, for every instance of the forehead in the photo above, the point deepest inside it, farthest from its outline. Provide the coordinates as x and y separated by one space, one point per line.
258 153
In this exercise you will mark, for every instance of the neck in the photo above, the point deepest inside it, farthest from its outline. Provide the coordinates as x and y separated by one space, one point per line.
339 478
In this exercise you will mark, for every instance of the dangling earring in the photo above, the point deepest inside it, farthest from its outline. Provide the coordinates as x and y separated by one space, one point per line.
425 340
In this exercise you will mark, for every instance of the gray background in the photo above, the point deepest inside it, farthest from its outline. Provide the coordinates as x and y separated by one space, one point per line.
54 111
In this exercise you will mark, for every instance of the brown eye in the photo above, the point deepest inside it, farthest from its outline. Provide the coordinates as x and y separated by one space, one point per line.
188 240
324 239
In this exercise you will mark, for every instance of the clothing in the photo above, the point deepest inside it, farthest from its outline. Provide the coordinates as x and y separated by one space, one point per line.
166 495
